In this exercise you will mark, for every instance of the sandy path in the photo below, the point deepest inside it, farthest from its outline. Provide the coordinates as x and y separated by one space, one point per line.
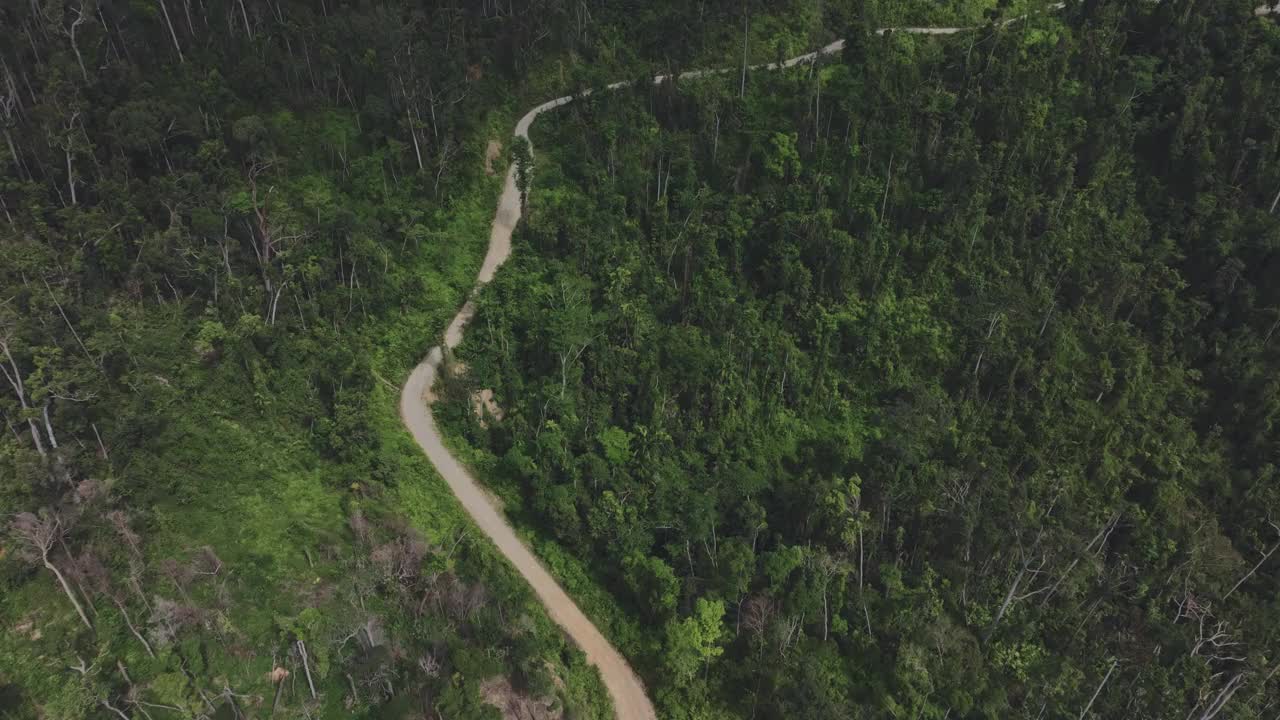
629 699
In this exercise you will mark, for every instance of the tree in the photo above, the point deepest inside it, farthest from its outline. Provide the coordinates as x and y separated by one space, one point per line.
39 534
695 640
654 584
522 158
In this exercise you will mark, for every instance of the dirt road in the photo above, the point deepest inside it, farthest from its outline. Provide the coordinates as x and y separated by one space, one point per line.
629 699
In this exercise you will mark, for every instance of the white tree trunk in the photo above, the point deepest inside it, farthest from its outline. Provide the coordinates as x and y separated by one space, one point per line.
66 588
71 176
245 16
302 650
167 21
1099 690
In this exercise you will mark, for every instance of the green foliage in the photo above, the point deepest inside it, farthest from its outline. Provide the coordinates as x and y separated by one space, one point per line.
224 235
943 367
693 642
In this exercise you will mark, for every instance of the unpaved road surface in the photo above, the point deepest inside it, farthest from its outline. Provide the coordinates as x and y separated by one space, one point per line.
629 699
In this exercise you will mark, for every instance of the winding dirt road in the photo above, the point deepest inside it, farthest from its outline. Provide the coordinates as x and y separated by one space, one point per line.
629 699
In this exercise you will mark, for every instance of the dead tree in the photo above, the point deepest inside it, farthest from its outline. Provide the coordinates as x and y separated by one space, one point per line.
169 618
14 376
80 15
266 241
1027 574
39 534
1213 642
67 143
1097 692
756 614
306 666
92 574
1221 700
120 522
10 109
164 10
1265 556
1100 540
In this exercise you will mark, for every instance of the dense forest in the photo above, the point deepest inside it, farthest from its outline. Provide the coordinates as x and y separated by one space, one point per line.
227 229
937 380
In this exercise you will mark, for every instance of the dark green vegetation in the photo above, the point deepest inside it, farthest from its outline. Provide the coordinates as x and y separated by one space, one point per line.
937 382
227 228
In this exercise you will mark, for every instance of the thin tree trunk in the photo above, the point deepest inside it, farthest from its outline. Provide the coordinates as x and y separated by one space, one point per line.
66 588
71 35
128 621
48 428
1249 574
245 16
71 175
302 651
884 204
866 615
417 150
172 34
101 447
70 327
1008 599
1099 690
1223 697
13 150
20 390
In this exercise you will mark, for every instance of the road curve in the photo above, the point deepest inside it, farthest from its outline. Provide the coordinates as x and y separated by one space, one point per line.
630 701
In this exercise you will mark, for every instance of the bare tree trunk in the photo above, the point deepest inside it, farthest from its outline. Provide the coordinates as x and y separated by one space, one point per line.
13 150
71 35
888 180
48 428
742 89
70 327
71 174
128 621
15 380
66 588
1223 698
245 16
417 150
275 302
302 651
101 447
1266 556
866 615
1099 690
1008 599
995 320
172 34
715 143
